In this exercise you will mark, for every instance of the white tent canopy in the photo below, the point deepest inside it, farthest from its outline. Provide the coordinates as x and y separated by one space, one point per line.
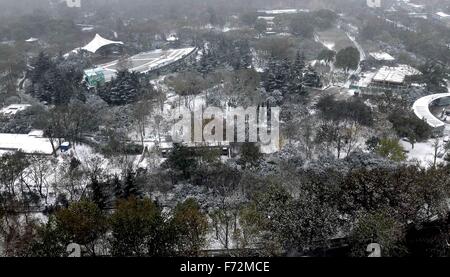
31 39
442 14
98 42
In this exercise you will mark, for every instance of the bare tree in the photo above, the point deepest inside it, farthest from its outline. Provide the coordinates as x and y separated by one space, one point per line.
141 113
438 149
39 171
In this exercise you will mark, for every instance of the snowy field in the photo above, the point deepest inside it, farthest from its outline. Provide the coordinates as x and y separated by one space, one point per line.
423 152
334 39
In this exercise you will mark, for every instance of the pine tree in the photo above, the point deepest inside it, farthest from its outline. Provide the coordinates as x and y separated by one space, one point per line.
277 75
296 85
205 65
130 185
299 64
311 78
117 185
55 81
126 88
98 196
269 75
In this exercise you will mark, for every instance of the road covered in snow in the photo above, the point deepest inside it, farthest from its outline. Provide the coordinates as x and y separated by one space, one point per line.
362 57
331 45
422 110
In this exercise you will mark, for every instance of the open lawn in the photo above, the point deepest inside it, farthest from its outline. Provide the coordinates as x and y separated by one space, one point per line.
334 39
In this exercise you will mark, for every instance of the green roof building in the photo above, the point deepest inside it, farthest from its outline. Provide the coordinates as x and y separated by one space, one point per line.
94 77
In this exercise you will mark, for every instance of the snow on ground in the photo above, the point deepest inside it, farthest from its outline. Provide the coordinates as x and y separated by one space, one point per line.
226 29
365 79
91 160
423 152
362 57
330 45
257 62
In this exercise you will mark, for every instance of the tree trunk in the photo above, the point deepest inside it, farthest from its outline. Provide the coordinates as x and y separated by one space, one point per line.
53 147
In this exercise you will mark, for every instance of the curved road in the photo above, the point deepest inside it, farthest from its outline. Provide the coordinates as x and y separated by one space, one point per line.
422 110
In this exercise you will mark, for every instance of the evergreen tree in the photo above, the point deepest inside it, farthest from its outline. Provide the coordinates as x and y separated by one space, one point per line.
296 82
277 75
130 188
348 58
139 229
55 81
311 78
191 226
42 64
117 185
126 88
299 64
98 196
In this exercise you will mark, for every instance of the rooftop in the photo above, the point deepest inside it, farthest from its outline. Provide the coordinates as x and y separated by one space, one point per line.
395 74
267 18
442 14
27 143
416 6
31 39
93 71
98 42
172 38
13 109
283 11
382 56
